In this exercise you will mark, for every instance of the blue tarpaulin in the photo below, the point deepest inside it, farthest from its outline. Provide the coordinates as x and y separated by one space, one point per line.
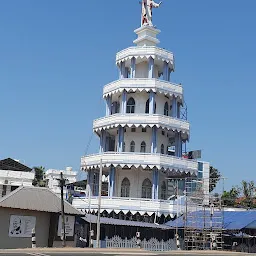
230 220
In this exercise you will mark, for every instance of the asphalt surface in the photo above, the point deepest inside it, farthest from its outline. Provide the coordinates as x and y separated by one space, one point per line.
115 253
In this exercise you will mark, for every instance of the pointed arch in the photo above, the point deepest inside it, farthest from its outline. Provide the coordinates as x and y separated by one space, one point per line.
143 147
132 146
125 187
146 191
130 108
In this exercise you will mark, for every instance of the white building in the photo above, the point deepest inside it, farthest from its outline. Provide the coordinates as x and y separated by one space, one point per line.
14 174
142 136
52 176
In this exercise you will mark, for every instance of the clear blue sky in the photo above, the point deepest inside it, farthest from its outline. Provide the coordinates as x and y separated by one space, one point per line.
56 56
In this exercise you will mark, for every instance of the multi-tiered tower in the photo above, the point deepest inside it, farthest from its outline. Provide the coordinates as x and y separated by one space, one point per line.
142 134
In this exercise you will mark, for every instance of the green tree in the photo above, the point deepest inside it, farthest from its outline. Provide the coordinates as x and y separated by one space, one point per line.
39 180
229 197
247 191
214 178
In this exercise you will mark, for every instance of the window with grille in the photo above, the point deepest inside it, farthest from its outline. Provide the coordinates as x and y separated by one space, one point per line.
143 147
146 189
130 106
125 188
132 146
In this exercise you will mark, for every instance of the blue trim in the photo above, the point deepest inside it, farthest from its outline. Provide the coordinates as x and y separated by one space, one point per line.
120 139
151 68
151 102
174 107
124 102
154 140
133 67
111 188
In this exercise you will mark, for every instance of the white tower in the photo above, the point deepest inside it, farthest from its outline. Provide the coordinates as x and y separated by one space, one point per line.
141 135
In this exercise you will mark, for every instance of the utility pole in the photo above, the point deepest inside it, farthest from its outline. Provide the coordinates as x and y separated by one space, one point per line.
99 205
62 183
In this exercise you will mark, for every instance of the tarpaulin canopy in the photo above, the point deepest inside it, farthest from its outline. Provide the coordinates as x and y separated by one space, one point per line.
229 220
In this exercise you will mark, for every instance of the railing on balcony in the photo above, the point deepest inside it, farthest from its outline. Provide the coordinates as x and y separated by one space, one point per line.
133 84
143 159
133 205
142 119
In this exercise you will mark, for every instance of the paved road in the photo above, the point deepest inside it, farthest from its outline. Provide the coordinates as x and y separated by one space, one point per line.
61 253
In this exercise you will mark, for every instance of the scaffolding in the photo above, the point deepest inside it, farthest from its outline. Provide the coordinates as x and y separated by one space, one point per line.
203 218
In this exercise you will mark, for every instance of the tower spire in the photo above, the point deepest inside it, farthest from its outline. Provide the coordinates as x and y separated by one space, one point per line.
147 11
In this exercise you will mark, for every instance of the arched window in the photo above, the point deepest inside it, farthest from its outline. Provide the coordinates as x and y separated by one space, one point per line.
146 189
132 146
130 106
162 149
147 107
125 188
163 190
166 109
143 147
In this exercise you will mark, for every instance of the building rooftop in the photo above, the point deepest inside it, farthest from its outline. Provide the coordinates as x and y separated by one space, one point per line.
13 165
36 199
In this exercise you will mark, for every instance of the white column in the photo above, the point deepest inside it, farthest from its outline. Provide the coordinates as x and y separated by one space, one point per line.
111 184
1 190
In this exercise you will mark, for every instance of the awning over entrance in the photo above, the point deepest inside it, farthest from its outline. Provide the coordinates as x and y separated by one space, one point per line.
110 221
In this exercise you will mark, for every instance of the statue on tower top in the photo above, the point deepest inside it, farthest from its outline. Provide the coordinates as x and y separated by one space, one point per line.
147 6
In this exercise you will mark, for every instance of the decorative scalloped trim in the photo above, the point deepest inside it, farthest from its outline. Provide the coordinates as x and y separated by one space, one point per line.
120 90
141 125
175 170
154 56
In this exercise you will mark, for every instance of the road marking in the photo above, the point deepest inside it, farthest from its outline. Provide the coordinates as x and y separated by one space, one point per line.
36 254
128 253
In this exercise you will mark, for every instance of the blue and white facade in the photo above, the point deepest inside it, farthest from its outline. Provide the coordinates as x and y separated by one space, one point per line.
142 135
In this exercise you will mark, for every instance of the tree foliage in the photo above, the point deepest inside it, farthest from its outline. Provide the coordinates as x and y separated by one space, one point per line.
39 180
242 196
214 178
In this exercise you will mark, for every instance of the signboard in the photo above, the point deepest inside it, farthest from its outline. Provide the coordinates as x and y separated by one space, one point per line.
21 226
69 225
194 154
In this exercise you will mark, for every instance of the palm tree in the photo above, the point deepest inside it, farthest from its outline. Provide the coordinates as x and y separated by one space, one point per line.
39 180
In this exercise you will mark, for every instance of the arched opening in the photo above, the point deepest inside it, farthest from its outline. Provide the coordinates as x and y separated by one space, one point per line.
125 188
132 146
163 191
146 189
162 149
143 147
166 109
130 106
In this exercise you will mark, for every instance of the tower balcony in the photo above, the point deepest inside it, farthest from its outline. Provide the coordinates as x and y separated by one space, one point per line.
142 53
128 204
166 163
143 84
141 120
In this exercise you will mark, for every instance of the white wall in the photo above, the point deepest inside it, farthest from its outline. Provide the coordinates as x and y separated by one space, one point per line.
136 177
140 136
